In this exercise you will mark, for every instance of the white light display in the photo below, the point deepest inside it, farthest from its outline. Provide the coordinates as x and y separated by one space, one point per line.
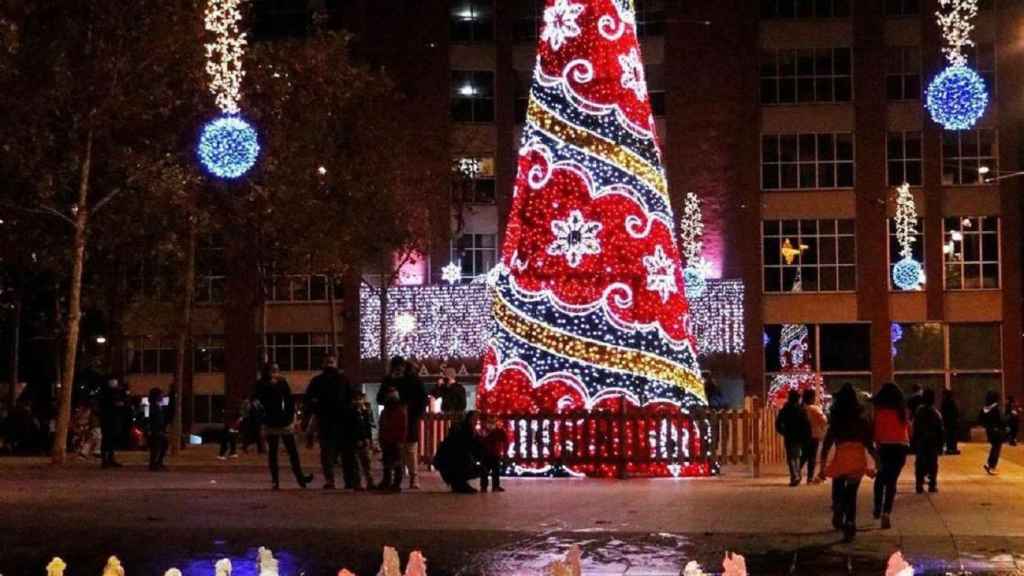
691 229
451 273
907 274
956 19
454 321
957 97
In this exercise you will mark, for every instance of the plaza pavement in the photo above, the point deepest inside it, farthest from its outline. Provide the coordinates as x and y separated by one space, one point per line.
204 507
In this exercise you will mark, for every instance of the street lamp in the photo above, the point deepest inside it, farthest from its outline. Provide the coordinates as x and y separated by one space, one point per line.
101 339
983 170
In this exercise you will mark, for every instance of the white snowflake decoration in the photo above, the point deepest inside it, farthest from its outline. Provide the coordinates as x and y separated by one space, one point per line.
560 23
575 238
451 273
633 73
661 276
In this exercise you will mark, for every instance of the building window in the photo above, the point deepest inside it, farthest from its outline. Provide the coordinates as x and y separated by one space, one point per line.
810 75
528 16
982 57
903 73
478 253
472 96
650 17
478 188
903 153
657 103
809 256
964 152
298 288
210 269
966 358
151 355
302 352
901 7
798 161
805 8
208 354
917 248
837 353
472 21
971 252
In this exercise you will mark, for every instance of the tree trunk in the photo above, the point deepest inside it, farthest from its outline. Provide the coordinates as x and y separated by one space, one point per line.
184 333
15 347
332 302
81 221
351 348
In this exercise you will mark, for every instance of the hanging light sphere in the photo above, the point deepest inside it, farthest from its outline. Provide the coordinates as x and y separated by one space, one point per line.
907 274
957 98
694 282
228 147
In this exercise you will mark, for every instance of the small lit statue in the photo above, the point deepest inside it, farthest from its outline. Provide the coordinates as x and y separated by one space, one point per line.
113 567
55 567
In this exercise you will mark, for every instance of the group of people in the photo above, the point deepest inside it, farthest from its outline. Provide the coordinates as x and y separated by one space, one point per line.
343 422
899 426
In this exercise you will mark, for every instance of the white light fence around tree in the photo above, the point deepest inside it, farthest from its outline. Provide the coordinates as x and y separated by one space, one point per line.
445 322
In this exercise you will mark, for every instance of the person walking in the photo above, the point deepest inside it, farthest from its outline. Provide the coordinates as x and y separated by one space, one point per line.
950 420
363 437
252 424
156 431
793 425
111 422
819 424
892 440
392 424
850 433
275 396
1012 420
229 439
926 441
915 400
995 430
329 400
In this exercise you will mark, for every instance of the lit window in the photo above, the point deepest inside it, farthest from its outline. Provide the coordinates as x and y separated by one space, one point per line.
903 154
472 96
903 73
809 256
802 76
806 161
472 21
964 152
971 252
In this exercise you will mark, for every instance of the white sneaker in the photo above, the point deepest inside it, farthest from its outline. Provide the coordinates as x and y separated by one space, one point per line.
222 457
234 456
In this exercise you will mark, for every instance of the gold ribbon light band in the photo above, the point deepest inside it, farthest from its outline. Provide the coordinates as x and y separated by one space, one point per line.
592 352
596 146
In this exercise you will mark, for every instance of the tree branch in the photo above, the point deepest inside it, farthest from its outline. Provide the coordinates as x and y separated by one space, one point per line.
42 209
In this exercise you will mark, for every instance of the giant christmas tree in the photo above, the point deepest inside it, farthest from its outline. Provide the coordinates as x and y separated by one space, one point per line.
589 306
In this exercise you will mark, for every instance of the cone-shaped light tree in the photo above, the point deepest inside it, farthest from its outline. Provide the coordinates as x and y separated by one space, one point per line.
589 304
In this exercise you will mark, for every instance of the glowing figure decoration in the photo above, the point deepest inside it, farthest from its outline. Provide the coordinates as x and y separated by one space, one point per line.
907 273
228 147
588 302
451 273
957 97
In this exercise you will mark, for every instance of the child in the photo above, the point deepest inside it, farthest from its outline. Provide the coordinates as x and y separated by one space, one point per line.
363 436
495 443
229 441
157 438
392 426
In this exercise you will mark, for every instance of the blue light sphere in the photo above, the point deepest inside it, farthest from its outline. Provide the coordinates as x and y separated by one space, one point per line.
907 274
694 282
957 98
228 147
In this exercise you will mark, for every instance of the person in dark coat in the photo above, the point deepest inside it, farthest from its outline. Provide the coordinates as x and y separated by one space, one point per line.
1012 420
795 428
414 395
950 420
991 418
926 442
275 396
914 400
156 431
112 402
458 455
451 393
329 398
393 421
